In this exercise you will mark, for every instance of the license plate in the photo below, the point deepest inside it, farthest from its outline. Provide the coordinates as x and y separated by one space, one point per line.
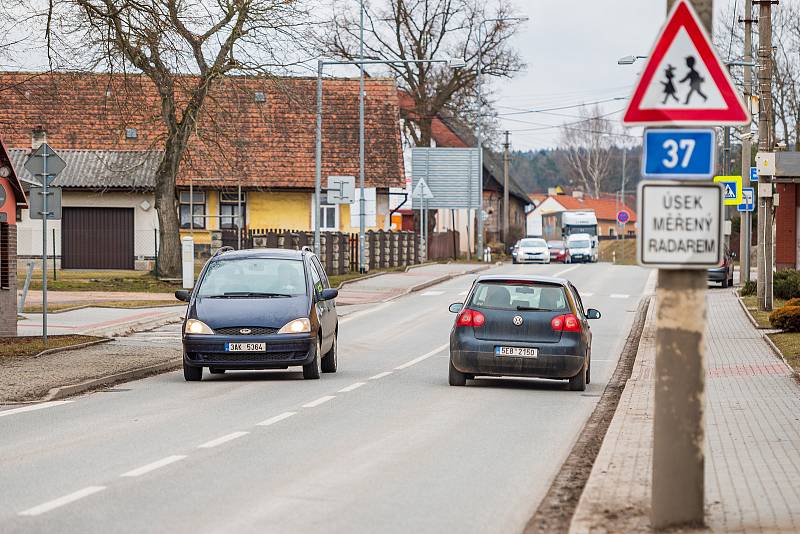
519 352
245 347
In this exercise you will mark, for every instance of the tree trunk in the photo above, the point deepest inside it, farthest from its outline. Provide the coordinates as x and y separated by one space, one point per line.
425 131
169 251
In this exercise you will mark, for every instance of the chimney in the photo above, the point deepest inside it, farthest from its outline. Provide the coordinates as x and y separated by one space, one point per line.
38 137
578 195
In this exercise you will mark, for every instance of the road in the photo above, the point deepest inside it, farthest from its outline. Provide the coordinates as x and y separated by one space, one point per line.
383 445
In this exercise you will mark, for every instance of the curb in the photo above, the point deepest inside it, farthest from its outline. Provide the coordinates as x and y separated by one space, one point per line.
100 305
749 315
62 392
124 329
72 347
439 280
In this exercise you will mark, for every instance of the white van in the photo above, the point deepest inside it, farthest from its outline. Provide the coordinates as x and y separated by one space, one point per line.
581 248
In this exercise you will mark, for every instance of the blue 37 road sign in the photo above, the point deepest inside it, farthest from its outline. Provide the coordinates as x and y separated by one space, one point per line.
679 154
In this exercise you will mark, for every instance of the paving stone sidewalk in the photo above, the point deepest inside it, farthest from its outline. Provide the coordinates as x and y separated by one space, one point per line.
752 436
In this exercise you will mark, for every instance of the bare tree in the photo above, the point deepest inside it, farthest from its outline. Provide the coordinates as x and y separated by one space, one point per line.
184 47
586 146
430 29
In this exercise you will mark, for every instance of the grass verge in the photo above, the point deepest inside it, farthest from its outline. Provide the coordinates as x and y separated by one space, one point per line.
135 281
624 250
27 346
789 345
761 317
67 306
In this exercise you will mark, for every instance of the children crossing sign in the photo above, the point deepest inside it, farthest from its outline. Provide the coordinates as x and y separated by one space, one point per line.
731 189
685 82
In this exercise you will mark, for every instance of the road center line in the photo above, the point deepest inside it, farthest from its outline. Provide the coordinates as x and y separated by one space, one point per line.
61 501
351 387
34 407
380 375
423 357
565 271
139 471
321 400
224 439
431 293
276 419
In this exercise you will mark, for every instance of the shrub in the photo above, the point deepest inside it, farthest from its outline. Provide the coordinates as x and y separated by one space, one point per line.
786 284
786 318
749 288
793 302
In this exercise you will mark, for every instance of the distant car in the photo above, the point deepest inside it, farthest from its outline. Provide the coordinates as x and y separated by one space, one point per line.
531 250
724 273
524 326
558 250
580 249
260 309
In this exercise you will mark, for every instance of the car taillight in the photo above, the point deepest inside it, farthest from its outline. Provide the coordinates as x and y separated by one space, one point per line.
470 318
565 323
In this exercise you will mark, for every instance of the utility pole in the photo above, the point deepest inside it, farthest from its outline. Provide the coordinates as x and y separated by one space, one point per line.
362 216
765 214
506 146
746 222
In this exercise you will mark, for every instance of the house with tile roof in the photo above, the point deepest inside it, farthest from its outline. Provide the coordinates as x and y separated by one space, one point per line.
12 202
605 209
255 135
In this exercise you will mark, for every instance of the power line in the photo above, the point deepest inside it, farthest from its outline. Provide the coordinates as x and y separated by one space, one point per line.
572 106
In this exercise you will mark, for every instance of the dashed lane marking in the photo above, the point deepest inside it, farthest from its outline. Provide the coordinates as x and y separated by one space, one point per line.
33 407
351 387
380 375
587 294
423 357
61 501
618 296
224 439
356 315
463 293
321 400
431 293
565 271
276 419
158 464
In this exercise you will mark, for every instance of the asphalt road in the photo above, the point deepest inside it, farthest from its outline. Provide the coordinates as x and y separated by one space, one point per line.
384 445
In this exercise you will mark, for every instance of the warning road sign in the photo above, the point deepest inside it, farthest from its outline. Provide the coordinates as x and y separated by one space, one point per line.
731 189
685 82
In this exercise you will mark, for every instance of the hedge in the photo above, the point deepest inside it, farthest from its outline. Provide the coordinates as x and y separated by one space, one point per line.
786 318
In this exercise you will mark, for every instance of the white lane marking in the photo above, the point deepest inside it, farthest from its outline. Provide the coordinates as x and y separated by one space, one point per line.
224 439
565 271
321 400
139 471
34 407
61 501
618 296
431 293
356 315
276 419
463 293
587 294
423 357
351 387
380 375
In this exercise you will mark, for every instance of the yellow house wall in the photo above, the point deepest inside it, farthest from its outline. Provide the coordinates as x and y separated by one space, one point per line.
290 210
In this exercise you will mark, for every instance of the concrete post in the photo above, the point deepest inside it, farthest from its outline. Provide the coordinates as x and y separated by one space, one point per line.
746 223
765 213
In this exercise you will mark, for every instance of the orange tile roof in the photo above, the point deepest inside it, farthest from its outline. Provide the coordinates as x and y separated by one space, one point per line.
443 135
605 209
269 144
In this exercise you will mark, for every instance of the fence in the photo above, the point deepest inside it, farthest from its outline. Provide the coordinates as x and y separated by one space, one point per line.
339 252
444 245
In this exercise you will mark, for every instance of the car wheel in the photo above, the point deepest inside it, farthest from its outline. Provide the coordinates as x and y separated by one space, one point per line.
456 377
588 370
330 360
192 373
215 371
725 283
514 261
578 382
313 369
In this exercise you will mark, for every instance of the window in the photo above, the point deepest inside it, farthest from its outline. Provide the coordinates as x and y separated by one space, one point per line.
328 214
515 295
612 231
229 210
323 275
198 206
253 275
316 279
5 255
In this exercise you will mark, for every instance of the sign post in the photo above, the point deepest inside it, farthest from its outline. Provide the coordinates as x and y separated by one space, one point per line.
684 84
424 193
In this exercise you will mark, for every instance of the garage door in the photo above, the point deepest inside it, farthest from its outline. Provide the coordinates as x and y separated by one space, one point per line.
97 238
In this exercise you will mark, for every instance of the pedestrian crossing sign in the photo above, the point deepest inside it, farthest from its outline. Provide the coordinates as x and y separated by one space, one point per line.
731 189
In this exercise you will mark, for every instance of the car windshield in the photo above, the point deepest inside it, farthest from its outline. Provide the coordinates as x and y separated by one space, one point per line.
530 243
580 244
267 277
517 296
555 244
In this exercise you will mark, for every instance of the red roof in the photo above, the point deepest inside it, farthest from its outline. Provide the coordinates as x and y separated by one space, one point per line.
605 209
441 133
266 144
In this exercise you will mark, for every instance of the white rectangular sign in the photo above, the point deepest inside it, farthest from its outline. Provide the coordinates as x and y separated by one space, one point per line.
680 225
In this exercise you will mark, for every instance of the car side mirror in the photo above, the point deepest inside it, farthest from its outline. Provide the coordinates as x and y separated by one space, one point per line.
591 313
328 294
456 307
182 295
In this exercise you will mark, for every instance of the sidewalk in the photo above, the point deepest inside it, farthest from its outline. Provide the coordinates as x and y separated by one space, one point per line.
752 436
388 286
100 321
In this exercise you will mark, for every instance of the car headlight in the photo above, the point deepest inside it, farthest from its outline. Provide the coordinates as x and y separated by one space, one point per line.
193 326
298 326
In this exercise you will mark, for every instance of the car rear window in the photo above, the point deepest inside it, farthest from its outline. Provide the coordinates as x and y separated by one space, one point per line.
580 243
253 275
555 244
511 295
532 243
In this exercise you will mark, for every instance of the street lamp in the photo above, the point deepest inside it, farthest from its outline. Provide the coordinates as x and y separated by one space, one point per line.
453 63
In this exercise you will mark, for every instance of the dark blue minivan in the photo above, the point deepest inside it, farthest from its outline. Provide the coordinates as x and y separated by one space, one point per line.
260 309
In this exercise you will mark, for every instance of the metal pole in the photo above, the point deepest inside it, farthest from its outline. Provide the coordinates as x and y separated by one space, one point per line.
361 201
746 232
765 215
726 170
318 163
479 132
622 195
678 485
469 212
44 243
506 146
55 275
239 215
191 207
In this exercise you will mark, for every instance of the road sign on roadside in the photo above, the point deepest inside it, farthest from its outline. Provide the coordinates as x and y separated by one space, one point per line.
36 202
748 200
35 163
753 174
680 225
623 216
341 189
685 82
422 190
731 188
679 153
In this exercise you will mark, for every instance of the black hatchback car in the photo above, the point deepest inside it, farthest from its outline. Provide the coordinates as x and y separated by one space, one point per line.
260 309
522 326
